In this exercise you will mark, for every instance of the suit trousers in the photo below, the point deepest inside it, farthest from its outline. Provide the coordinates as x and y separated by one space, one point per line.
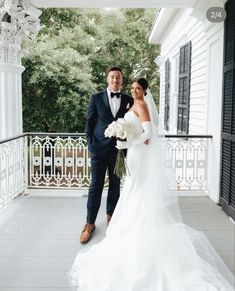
99 166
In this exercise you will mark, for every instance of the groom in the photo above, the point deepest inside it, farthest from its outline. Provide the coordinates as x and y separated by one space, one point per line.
105 107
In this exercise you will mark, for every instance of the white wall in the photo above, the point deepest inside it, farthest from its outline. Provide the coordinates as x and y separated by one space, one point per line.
206 82
197 121
184 28
214 107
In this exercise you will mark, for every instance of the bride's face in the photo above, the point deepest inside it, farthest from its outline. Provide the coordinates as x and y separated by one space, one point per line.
137 91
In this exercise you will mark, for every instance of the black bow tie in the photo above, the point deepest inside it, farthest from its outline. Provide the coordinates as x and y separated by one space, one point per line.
117 94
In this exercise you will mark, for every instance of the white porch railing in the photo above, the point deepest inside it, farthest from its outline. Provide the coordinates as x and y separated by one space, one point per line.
189 155
13 164
58 160
55 160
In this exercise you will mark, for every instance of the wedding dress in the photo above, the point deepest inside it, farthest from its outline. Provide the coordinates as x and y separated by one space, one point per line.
147 247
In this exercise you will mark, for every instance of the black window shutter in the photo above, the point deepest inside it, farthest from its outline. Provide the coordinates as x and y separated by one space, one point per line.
184 88
167 95
227 182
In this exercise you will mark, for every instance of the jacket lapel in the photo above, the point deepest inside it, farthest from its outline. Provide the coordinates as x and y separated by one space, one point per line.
106 98
122 107
106 101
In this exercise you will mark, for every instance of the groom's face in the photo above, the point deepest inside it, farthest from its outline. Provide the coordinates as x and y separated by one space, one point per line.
114 80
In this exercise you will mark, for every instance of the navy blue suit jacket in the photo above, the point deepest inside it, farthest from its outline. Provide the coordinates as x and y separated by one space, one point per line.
99 116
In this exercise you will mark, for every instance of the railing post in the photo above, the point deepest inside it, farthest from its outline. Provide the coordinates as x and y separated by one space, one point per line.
26 165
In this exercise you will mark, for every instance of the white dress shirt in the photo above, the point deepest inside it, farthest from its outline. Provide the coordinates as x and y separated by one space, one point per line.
114 103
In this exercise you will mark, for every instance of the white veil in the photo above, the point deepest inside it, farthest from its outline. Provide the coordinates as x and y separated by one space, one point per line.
153 113
164 184
147 246
164 156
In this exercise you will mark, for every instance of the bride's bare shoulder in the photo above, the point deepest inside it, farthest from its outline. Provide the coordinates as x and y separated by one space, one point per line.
142 111
141 105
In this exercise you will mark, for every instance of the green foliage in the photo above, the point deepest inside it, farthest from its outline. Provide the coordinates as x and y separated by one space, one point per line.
67 62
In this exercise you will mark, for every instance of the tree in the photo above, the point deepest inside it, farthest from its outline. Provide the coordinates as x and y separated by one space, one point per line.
66 63
125 41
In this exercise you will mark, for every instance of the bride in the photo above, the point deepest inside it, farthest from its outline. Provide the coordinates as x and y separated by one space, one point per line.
147 247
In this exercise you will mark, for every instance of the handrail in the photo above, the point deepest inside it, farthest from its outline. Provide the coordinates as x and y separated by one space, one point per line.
187 136
83 134
55 134
13 137
40 134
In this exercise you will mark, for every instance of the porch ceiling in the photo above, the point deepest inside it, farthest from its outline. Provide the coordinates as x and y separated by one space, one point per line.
113 4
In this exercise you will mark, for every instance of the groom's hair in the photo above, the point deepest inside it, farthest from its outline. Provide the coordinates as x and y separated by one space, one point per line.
113 69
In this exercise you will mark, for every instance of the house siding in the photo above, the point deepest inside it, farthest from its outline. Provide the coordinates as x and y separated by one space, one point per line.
206 83
194 32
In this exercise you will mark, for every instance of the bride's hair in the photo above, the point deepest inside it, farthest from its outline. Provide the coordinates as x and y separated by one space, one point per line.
143 83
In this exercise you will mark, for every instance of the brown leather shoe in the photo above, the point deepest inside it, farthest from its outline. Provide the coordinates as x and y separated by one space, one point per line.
86 232
108 218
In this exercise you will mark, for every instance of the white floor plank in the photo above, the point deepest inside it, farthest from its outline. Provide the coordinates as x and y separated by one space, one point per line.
39 238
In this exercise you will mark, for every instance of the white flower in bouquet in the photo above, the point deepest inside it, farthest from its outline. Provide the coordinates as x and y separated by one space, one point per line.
110 131
122 130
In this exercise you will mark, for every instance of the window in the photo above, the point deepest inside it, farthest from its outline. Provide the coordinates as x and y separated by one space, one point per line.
184 89
167 95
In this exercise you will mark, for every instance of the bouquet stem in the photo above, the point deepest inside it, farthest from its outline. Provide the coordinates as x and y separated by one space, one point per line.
120 165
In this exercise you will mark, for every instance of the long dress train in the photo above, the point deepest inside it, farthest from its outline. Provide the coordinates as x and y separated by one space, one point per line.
147 247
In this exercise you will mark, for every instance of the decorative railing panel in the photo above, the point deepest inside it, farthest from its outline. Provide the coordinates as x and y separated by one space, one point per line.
63 161
59 161
189 157
12 169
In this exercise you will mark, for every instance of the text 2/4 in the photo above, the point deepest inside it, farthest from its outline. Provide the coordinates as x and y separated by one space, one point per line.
216 14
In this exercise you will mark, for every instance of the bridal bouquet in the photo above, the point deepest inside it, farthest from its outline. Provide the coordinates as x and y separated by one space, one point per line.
122 130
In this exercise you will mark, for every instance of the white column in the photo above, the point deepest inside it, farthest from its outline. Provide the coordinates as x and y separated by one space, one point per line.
10 100
18 21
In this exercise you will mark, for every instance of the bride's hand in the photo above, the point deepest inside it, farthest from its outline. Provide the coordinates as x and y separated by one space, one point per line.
123 145
147 141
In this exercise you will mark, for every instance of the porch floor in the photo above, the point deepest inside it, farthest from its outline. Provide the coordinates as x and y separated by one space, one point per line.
39 238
